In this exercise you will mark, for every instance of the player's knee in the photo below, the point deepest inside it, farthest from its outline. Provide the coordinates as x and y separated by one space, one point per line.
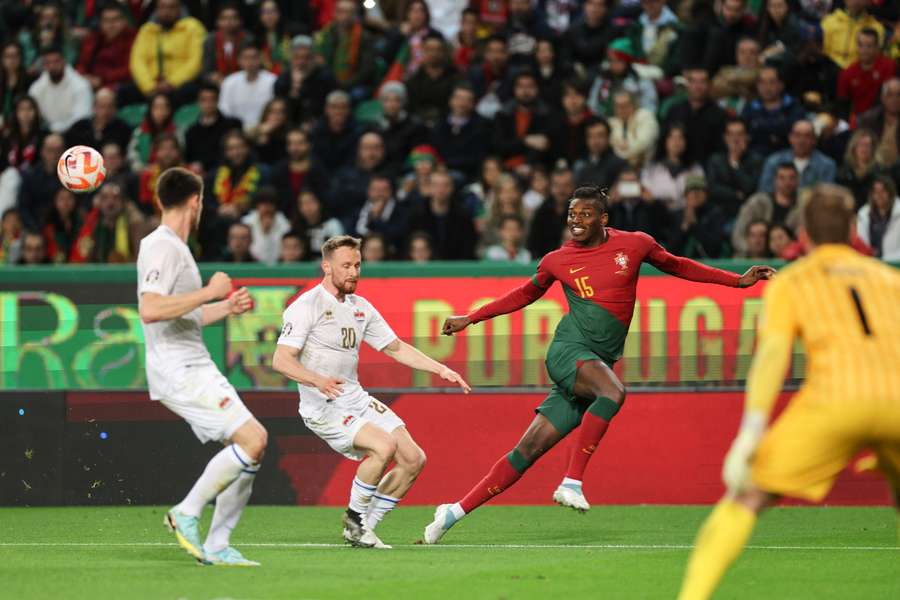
616 393
418 462
384 450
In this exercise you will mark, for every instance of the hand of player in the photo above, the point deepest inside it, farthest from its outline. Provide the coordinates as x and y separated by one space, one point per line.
239 301
330 386
219 285
451 375
754 274
736 470
455 324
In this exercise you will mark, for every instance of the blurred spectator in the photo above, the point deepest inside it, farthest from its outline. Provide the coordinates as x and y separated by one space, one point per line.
780 207
551 70
10 237
884 121
879 219
812 166
273 38
441 216
841 27
733 24
770 117
654 32
600 166
735 85
62 94
40 182
102 127
166 154
666 176
780 30
511 234
550 219
538 190
335 135
633 208
23 134
490 80
118 168
431 85
167 55
409 51
811 75
569 142
734 174
702 118
240 239
297 171
231 186
105 52
523 30
34 249
461 138
466 43
109 233
14 79
350 184
311 220
420 247
63 223
245 93
801 246
159 119
51 30
304 83
780 238
222 47
447 16
860 83
484 188
416 186
400 130
633 130
620 75
860 167
294 248
267 226
523 129
697 227
203 140
382 214
346 49
508 203
756 241
588 37
374 248
270 136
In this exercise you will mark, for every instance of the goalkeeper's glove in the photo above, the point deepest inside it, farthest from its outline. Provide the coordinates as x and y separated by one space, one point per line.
736 470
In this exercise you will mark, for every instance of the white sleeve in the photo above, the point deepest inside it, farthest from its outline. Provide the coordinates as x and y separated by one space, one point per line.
297 322
378 333
158 269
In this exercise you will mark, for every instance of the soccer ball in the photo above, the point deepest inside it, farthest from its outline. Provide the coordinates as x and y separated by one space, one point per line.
80 169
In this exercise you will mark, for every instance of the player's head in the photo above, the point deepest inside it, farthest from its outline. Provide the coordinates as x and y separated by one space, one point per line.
181 190
341 261
587 214
828 215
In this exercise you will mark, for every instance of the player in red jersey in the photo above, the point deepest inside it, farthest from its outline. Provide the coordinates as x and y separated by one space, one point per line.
598 270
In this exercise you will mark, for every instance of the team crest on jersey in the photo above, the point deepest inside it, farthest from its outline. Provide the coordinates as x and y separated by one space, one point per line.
359 315
286 330
621 262
152 276
328 315
348 419
223 404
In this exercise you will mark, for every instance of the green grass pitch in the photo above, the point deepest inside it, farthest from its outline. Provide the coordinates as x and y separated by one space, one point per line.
496 553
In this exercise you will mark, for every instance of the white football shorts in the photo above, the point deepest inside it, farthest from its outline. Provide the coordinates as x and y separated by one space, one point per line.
204 398
339 426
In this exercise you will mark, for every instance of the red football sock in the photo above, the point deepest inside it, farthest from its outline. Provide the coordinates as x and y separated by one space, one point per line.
592 430
501 476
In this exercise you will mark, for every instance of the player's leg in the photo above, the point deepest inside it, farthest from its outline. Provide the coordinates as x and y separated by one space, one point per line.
379 448
596 381
252 438
540 436
409 461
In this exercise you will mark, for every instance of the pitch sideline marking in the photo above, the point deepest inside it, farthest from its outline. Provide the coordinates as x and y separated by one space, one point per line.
476 546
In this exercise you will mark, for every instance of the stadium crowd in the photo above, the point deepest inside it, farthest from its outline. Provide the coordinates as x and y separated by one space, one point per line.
447 129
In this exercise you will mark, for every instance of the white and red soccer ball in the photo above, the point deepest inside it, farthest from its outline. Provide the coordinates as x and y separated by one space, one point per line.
81 169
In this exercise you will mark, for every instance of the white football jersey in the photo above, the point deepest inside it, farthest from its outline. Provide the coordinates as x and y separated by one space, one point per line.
165 266
328 333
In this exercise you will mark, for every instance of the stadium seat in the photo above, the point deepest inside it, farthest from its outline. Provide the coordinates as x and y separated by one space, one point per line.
186 116
133 114
368 111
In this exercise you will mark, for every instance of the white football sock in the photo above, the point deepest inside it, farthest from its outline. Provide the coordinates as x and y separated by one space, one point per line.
380 505
457 511
360 496
221 470
571 483
229 507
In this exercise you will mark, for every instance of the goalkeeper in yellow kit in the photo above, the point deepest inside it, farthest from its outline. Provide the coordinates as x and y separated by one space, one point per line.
846 309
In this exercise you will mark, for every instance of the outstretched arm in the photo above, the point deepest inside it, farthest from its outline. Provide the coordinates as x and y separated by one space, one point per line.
154 307
286 361
692 270
414 358
237 302
515 299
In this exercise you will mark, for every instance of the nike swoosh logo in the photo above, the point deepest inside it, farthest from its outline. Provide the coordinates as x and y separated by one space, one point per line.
575 270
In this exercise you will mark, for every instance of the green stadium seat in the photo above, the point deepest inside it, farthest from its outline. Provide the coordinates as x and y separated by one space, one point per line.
186 116
133 114
368 111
